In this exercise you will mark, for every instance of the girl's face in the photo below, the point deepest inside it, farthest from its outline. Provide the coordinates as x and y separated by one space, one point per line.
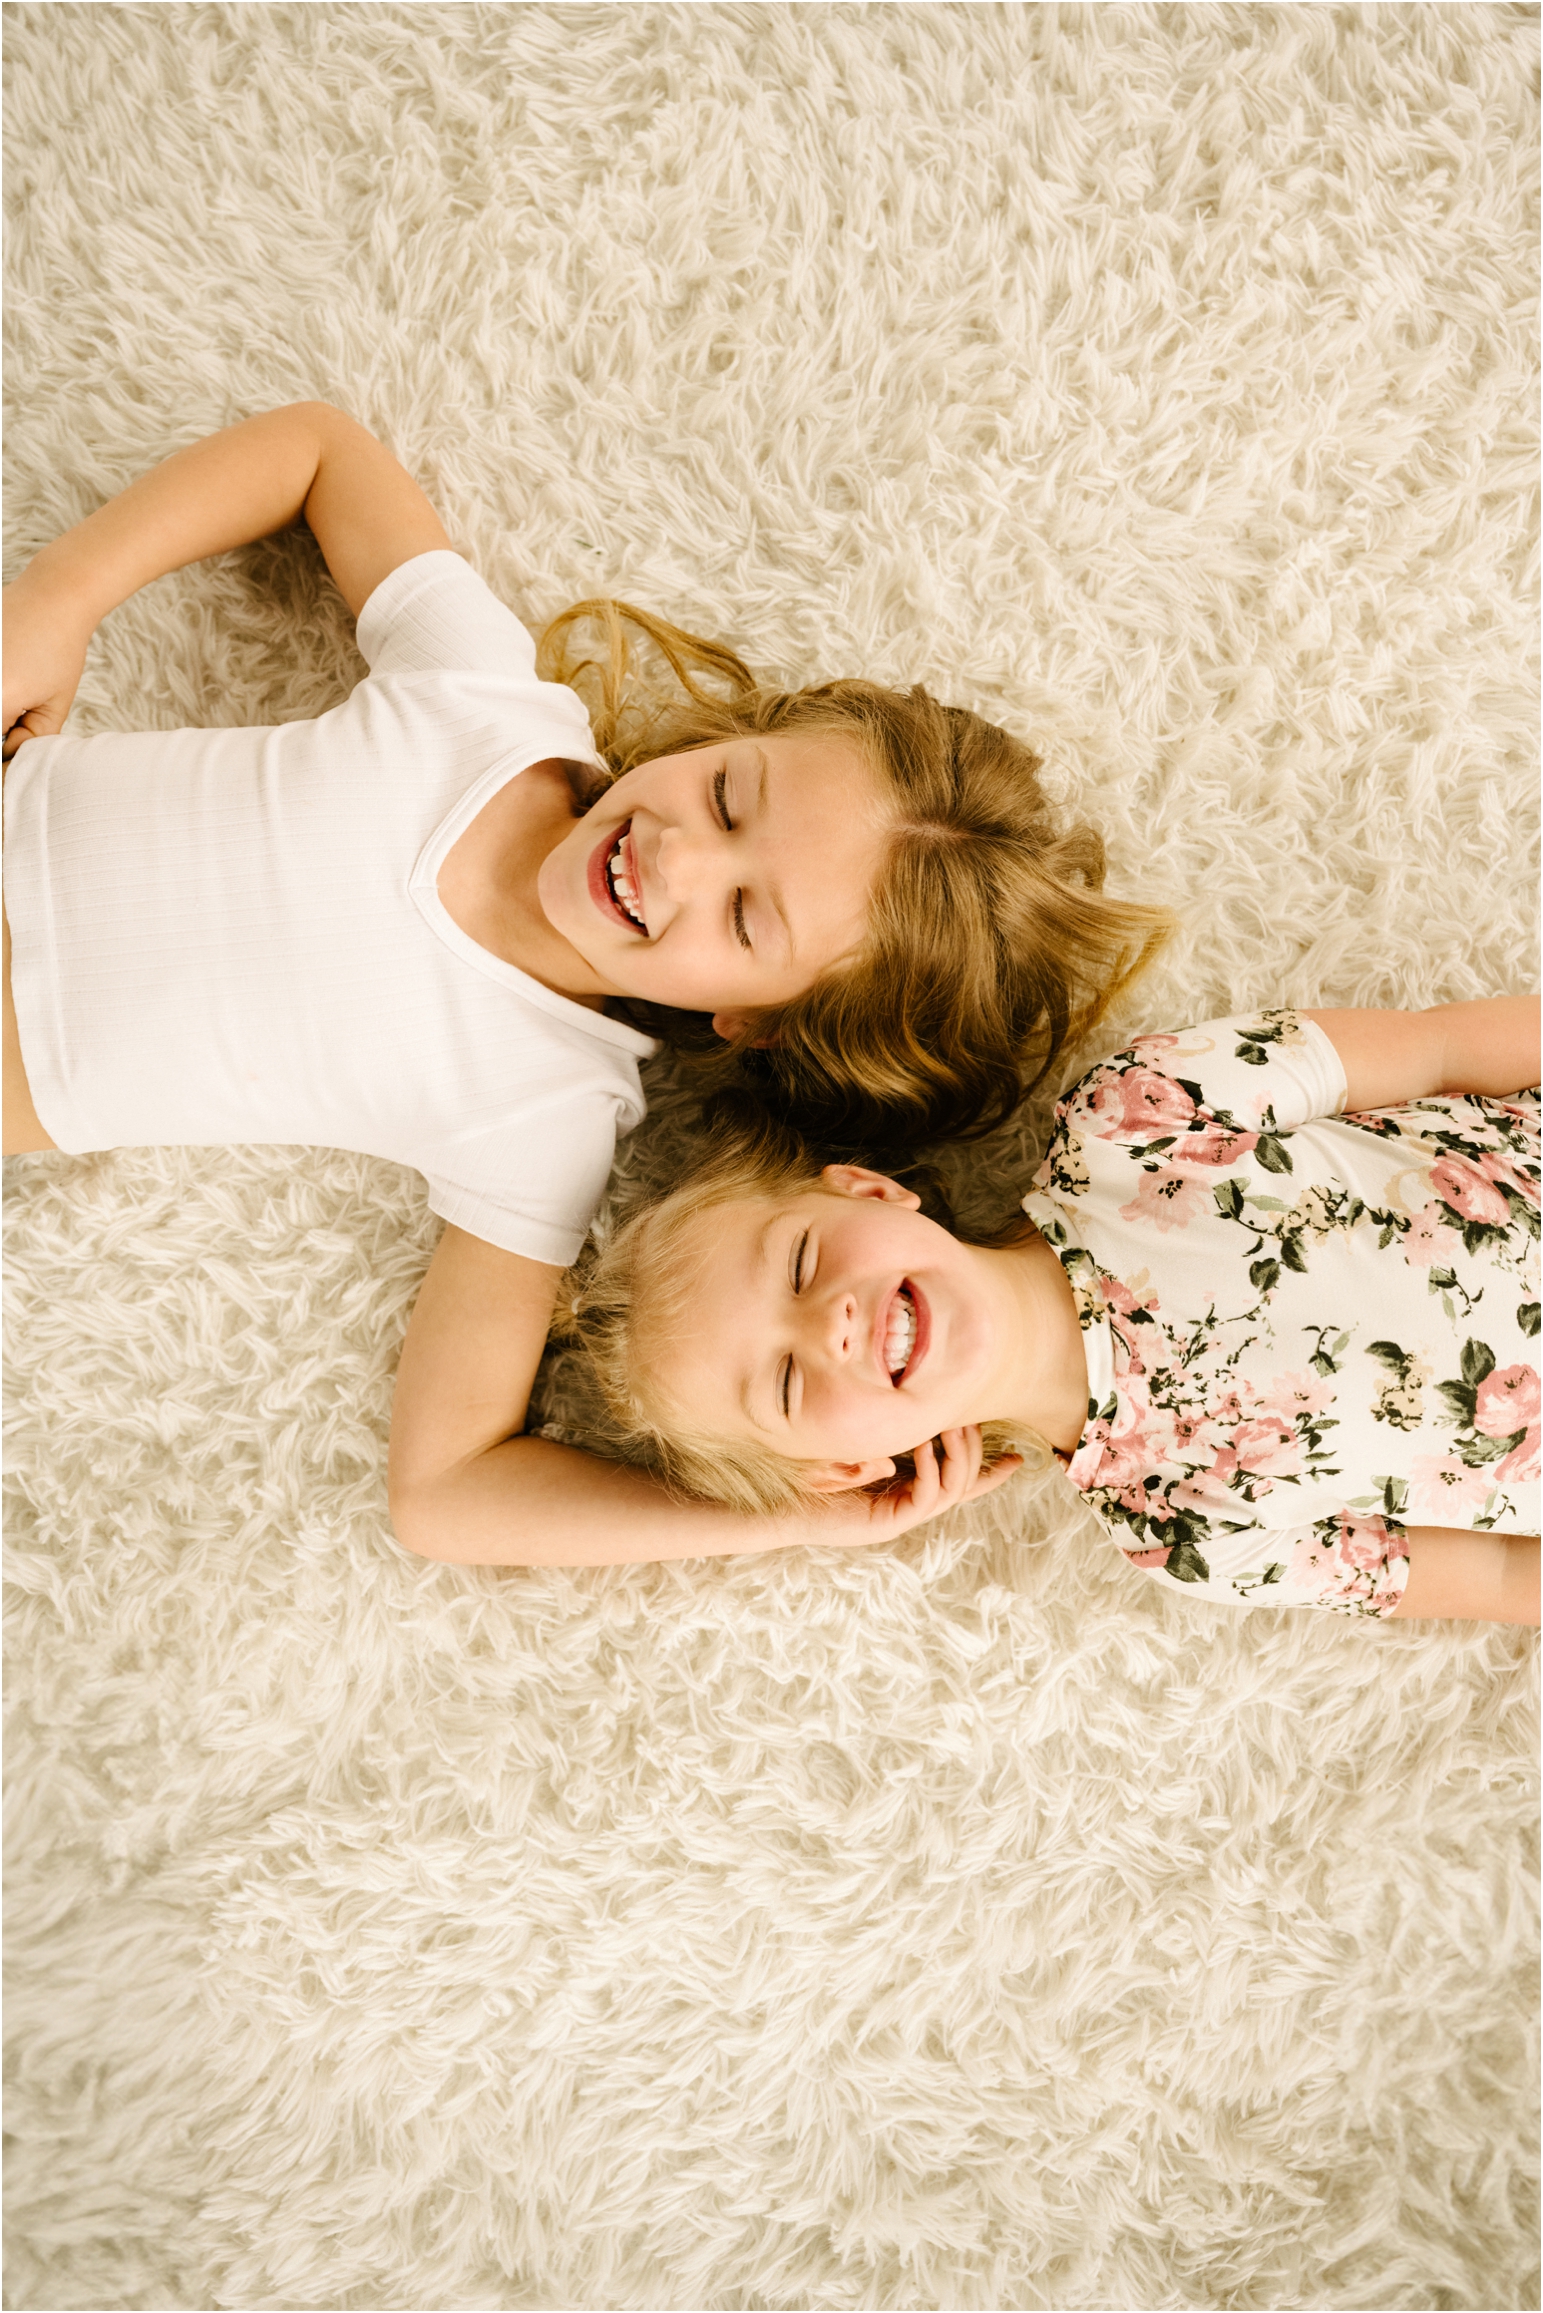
725 878
840 1326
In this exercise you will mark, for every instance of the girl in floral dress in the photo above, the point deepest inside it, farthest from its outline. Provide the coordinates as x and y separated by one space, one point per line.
1276 1312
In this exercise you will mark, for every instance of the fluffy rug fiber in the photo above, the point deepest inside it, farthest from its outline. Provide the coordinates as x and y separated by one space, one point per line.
963 1924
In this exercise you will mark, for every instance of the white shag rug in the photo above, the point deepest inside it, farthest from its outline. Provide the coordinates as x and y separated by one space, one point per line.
966 1924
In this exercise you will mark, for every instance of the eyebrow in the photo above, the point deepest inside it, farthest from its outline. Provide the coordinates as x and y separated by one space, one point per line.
771 890
757 1269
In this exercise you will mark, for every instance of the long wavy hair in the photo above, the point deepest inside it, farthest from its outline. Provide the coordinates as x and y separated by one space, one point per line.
635 1302
989 946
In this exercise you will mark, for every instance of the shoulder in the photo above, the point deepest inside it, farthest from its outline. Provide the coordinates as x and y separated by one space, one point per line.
434 614
1267 1070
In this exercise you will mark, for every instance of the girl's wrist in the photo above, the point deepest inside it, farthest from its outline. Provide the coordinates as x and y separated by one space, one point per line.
67 580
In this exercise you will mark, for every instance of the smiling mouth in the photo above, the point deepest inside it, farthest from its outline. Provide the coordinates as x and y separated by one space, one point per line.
614 883
906 1329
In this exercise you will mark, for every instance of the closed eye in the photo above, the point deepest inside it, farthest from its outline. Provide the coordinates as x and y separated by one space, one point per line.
785 1387
721 808
798 1262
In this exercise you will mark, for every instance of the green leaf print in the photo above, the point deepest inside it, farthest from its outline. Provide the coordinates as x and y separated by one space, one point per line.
1527 1317
1478 1360
1253 1044
1325 1360
1292 1254
1185 1564
1474 1452
1462 1400
1263 1275
1389 1353
1229 1200
1273 1154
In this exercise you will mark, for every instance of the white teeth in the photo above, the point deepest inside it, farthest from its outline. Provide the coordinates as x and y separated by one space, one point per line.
623 890
900 1333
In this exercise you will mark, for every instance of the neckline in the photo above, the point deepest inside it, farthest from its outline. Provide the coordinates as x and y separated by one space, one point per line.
423 889
1097 1332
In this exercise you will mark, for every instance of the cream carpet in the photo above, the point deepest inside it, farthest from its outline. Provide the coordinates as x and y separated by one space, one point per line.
968 1924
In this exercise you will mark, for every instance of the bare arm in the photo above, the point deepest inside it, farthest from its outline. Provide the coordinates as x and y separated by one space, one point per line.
309 459
1393 1057
1477 1576
468 1487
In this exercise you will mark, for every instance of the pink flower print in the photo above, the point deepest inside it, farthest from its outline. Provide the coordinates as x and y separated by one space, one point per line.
1154 1044
1138 1438
1521 1463
1140 1104
1102 1103
1191 1430
1150 1557
1167 1199
1309 1555
1430 1239
1336 1565
1496 1165
1136 1499
1507 1401
1121 1296
1293 1395
1462 1186
1207 1490
1083 1468
1213 1144
1364 1542
1268 1447
1441 1488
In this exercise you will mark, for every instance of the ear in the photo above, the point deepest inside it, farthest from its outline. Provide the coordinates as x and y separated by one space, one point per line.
858 1181
730 1024
846 1477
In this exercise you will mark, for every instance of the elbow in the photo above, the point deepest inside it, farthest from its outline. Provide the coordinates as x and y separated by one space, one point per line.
416 1525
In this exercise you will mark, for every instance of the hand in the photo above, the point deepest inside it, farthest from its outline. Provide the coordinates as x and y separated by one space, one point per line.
939 1484
45 653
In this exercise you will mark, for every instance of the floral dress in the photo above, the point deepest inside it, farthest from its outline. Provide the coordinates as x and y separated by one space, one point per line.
1304 1330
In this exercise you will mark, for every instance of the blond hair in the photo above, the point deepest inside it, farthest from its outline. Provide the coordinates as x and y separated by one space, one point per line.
635 1301
989 947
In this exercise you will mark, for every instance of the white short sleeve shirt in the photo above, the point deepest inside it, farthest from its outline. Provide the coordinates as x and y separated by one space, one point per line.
236 935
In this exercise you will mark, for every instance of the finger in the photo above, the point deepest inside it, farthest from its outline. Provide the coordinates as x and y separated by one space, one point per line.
962 1452
36 723
927 1483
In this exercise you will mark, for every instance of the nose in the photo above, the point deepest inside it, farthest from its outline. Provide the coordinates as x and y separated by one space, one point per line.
838 1327
689 863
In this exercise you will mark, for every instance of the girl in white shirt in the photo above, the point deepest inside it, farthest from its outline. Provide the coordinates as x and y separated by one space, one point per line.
433 926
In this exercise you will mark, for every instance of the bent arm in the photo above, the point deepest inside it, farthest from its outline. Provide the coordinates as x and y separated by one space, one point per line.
1390 1058
1475 1576
367 512
467 1487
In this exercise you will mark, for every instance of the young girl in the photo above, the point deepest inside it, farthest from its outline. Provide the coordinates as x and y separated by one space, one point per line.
431 924
1275 1311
